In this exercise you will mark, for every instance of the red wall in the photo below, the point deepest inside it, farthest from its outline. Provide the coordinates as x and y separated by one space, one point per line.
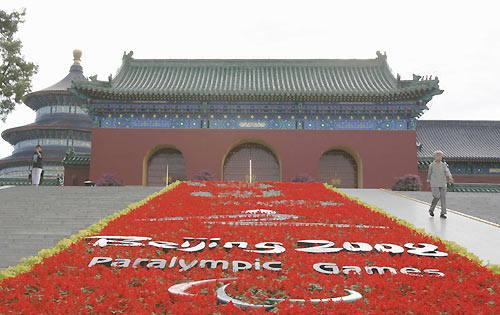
385 155
75 176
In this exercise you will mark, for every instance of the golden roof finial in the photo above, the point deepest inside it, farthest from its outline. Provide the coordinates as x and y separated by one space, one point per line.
77 54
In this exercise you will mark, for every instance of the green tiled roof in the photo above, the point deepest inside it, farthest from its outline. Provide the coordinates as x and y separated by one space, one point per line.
76 159
424 162
27 182
258 79
475 187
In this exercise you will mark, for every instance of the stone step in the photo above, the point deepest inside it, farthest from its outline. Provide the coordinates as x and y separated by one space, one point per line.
16 256
18 253
27 228
36 221
31 218
81 209
41 230
76 212
8 263
5 238
31 245
44 225
28 246
50 218
43 213
44 239
60 209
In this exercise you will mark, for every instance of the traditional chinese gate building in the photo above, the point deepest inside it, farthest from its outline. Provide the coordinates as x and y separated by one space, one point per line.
347 122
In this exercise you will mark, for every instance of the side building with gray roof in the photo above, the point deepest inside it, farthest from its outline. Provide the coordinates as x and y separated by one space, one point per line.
470 147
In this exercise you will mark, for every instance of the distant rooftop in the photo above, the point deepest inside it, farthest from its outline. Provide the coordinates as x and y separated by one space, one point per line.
75 73
81 159
62 87
460 139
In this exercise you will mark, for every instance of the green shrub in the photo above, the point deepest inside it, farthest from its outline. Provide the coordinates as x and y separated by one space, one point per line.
408 183
204 175
303 178
109 180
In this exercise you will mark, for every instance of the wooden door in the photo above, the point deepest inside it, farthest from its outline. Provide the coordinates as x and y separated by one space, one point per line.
157 167
265 165
339 168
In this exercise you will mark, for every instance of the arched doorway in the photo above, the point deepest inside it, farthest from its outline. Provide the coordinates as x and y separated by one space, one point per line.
157 167
265 165
339 168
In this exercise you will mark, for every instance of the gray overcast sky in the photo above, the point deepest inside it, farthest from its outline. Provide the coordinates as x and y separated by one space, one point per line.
458 41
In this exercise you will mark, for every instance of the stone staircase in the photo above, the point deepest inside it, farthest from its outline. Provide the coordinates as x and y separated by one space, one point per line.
35 218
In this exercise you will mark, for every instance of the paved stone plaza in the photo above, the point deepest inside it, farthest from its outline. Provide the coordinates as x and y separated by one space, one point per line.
482 205
34 218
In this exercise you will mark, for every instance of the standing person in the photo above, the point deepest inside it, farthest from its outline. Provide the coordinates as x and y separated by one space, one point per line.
437 175
37 166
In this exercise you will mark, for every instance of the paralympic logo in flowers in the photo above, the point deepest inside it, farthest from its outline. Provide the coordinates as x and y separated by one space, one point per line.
293 247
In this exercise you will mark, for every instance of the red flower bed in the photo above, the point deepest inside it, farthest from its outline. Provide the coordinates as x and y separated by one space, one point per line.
292 247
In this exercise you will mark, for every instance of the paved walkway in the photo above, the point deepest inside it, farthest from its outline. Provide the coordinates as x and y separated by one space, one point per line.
478 237
482 205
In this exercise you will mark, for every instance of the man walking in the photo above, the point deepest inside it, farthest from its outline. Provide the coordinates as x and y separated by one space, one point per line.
437 175
37 166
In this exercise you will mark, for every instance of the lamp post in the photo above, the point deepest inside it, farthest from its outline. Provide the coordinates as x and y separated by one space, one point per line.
250 171
167 176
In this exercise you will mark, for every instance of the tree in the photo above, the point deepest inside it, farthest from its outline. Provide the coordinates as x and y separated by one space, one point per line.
15 72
